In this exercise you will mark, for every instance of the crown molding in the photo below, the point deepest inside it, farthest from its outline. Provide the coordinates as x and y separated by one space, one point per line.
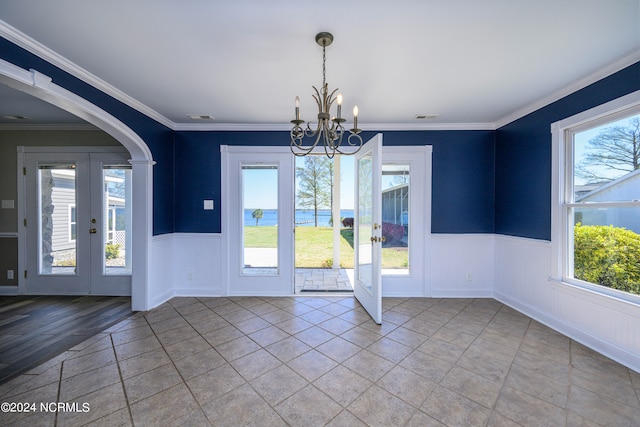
49 127
24 41
17 37
609 69
20 39
248 127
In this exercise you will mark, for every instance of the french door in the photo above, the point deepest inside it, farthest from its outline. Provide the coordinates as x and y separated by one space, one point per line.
368 228
77 221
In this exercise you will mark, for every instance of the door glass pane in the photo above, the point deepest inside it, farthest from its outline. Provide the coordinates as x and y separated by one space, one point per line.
395 219
365 219
260 219
116 185
57 226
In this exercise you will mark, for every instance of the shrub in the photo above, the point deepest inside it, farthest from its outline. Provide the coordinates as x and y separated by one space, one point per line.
112 250
608 256
347 222
392 232
327 263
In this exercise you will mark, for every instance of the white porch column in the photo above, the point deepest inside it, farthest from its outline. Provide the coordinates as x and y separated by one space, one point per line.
336 212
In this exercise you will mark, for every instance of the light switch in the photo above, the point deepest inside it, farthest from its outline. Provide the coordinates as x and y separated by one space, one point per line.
8 204
208 205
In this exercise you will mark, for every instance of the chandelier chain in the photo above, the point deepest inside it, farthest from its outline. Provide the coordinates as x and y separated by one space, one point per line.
324 71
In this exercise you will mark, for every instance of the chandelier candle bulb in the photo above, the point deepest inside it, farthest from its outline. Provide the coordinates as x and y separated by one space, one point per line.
355 117
297 108
339 100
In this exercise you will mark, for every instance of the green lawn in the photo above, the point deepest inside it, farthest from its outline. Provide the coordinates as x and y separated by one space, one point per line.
314 246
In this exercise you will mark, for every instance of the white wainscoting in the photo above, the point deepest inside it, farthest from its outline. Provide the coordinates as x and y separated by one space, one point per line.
161 282
460 265
186 264
605 324
512 270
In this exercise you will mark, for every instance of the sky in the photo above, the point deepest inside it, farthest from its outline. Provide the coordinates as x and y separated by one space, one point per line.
581 142
260 186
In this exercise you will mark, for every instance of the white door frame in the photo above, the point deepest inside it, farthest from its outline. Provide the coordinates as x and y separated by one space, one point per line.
420 160
89 279
415 284
42 87
232 159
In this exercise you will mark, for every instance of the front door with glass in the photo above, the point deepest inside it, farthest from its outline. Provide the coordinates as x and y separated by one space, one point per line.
77 222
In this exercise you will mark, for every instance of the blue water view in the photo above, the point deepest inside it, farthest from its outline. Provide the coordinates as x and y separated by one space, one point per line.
304 217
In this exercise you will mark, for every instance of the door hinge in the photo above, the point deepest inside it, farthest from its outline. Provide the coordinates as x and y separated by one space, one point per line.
25 222
25 274
24 171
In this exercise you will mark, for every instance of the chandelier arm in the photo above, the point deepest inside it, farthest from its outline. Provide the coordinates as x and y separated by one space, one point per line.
318 98
331 99
358 143
297 143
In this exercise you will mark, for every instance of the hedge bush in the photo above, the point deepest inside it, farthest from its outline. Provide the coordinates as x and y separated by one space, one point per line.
112 250
608 256
392 232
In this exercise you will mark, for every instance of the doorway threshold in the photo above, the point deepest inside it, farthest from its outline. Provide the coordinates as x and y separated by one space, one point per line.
323 281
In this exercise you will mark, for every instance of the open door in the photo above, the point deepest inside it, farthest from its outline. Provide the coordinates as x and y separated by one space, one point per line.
368 227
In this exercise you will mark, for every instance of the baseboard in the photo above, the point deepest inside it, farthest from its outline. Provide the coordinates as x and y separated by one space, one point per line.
620 355
9 290
461 293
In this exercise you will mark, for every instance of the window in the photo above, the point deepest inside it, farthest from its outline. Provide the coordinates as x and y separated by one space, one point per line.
599 203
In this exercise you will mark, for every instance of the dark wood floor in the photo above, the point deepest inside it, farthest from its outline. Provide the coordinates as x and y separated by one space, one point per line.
34 329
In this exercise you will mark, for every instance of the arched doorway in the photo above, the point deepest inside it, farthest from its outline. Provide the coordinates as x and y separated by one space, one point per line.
41 86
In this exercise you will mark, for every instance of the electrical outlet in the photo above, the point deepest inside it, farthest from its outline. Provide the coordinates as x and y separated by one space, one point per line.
469 277
189 275
9 274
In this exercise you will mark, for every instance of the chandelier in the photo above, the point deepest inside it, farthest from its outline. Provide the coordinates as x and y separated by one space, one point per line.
329 128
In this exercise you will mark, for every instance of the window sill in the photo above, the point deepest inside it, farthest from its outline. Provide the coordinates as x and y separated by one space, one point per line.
596 291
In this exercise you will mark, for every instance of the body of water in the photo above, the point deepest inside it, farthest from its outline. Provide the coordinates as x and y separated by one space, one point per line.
304 217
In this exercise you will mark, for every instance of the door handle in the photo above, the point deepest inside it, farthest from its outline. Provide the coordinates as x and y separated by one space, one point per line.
93 231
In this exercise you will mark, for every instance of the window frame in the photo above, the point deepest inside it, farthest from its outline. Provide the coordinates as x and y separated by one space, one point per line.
72 224
562 189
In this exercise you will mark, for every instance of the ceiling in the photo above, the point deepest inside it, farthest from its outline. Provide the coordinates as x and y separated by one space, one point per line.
472 63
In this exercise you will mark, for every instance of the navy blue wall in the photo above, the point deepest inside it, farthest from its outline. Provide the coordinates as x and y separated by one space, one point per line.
158 137
483 181
463 175
523 156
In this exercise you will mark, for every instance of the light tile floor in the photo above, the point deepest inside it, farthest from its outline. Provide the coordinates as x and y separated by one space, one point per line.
321 361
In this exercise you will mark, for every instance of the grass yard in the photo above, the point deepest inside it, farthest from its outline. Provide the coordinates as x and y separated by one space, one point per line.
314 247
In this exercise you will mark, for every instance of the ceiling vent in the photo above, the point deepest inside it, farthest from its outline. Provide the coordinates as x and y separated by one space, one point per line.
201 117
14 117
426 116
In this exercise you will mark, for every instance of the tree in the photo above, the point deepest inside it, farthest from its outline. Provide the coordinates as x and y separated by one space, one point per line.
257 214
315 181
614 149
